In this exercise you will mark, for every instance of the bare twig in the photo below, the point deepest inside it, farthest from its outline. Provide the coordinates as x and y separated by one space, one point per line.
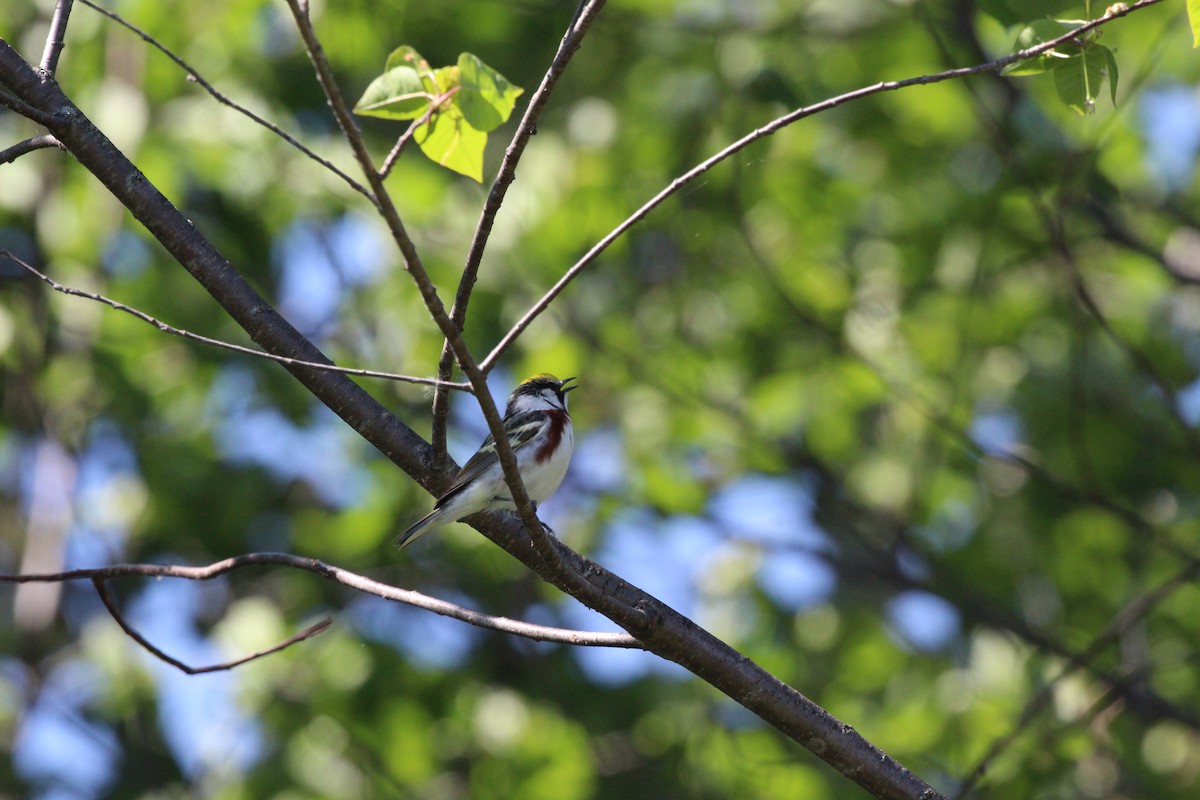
222 99
541 633
111 604
195 337
403 141
585 15
56 36
10 154
24 109
770 128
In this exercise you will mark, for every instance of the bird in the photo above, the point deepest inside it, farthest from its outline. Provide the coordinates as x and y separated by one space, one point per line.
542 440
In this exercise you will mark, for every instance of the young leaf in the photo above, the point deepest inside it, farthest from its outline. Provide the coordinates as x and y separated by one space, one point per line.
1111 62
450 141
399 93
1079 78
1029 66
407 56
446 78
487 98
1193 11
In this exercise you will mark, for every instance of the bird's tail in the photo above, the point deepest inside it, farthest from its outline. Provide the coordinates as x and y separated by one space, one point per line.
418 528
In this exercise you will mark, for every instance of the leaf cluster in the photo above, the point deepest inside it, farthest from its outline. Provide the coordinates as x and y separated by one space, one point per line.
457 106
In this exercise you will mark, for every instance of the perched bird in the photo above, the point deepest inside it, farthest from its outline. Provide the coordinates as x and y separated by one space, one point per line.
540 435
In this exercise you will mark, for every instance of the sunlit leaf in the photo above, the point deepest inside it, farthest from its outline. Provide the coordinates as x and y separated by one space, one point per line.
1029 66
407 56
486 98
398 93
446 78
452 142
1079 78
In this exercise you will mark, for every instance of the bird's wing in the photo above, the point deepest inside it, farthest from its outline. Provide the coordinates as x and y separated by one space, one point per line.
522 429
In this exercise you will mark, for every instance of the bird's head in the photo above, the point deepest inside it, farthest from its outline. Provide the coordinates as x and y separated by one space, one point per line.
542 392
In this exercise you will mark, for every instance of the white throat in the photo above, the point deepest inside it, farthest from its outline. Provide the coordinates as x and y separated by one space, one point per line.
545 400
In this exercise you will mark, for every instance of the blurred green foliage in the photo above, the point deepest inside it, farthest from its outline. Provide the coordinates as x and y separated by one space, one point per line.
952 328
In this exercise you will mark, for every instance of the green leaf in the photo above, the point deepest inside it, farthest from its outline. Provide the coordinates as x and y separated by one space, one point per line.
446 78
1193 11
407 56
1111 62
399 93
486 98
1079 78
452 142
1029 66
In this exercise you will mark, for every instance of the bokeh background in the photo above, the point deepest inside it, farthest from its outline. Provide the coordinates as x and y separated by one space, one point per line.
902 402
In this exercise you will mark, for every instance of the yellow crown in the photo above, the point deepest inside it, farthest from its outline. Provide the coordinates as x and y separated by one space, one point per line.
541 376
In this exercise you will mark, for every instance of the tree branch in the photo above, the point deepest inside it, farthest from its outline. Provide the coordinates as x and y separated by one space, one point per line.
24 109
10 154
672 636
111 604
236 348
403 141
56 35
767 130
528 630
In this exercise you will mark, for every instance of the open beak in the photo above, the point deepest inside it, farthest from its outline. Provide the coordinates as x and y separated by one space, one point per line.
564 388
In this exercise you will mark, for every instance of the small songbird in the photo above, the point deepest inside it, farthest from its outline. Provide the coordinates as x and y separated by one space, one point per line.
540 435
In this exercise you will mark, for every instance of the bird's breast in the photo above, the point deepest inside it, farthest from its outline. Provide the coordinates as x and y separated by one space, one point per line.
554 435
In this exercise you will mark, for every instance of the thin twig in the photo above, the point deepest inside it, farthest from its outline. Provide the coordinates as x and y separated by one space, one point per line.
403 141
585 14
111 604
771 128
56 36
25 110
581 21
10 154
195 337
220 98
541 633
